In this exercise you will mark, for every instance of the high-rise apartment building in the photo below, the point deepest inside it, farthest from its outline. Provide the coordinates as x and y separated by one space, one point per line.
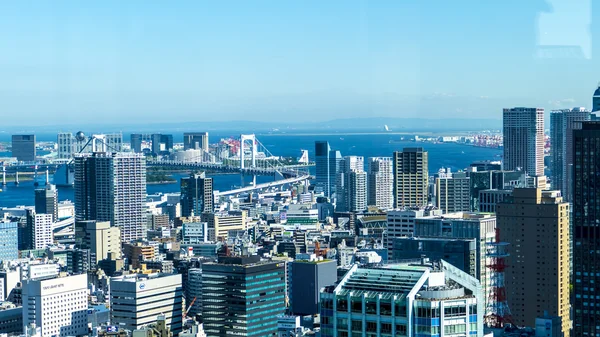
351 185
196 195
9 243
58 306
65 141
23 147
562 124
420 299
596 100
523 130
136 300
195 141
99 237
453 192
411 176
39 230
46 201
380 182
536 225
586 233
112 187
242 296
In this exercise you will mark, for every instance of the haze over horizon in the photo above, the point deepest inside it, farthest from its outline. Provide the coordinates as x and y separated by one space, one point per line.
136 62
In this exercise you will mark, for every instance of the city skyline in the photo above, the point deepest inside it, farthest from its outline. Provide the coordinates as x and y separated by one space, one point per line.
279 61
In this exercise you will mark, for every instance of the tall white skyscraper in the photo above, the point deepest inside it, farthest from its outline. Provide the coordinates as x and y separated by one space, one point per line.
112 187
380 182
58 306
40 229
351 189
523 130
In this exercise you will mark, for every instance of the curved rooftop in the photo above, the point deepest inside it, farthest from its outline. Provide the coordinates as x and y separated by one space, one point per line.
597 92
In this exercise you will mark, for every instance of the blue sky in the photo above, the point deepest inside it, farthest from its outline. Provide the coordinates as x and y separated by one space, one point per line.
139 61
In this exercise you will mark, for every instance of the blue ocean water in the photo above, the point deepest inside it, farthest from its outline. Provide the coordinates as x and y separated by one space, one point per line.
449 155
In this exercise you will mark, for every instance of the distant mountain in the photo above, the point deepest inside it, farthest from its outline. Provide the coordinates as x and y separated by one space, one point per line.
373 124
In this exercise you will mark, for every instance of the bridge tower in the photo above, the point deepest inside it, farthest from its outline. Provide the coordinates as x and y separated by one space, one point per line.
3 175
243 140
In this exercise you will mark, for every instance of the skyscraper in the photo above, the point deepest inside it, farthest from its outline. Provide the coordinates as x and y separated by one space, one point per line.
535 223
23 147
453 192
242 296
351 185
195 140
112 187
327 167
163 144
196 195
136 142
46 201
562 124
586 233
411 175
596 100
380 182
322 150
523 130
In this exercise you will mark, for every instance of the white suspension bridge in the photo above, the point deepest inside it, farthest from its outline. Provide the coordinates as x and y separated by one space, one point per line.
246 155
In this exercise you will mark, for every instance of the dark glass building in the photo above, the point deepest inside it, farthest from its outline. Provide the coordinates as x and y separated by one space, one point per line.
308 277
23 147
46 201
242 296
196 195
586 229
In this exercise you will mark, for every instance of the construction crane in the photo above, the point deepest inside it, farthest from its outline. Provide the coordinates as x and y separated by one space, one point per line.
188 309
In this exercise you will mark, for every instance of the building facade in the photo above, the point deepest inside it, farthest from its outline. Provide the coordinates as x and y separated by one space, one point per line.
58 306
523 131
535 223
453 193
411 175
380 182
112 187
137 300
242 296
99 237
351 185
586 233
307 279
562 124
196 141
46 201
23 147
418 299
196 195
9 241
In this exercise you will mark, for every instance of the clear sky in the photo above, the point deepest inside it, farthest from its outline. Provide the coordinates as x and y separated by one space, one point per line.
177 61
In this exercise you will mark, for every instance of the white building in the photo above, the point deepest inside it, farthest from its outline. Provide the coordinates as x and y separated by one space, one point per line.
351 187
194 232
380 182
69 144
42 271
136 300
58 306
43 235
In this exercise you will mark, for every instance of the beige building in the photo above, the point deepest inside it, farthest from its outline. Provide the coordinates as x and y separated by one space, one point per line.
99 237
411 176
536 225
136 253
219 224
